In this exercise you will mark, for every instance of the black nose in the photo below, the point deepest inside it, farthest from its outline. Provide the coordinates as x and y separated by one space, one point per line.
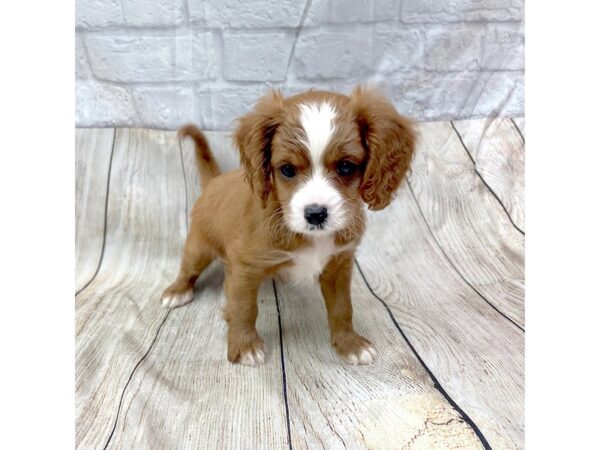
315 214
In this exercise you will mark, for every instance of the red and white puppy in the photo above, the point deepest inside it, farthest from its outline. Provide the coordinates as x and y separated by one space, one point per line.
296 208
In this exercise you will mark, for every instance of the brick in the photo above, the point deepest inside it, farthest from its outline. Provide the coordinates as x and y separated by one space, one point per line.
454 47
376 82
294 88
152 58
504 47
386 10
396 48
98 13
434 96
164 106
98 104
351 11
82 69
429 96
256 57
158 13
428 11
219 107
338 11
246 14
333 54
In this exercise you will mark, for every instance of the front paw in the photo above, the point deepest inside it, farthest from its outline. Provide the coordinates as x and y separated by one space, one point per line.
353 348
172 298
246 348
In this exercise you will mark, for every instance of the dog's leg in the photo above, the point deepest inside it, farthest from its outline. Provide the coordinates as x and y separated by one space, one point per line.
335 286
196 257
244 345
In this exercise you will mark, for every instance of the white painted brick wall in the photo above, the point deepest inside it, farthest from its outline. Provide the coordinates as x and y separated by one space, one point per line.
162 63
256 56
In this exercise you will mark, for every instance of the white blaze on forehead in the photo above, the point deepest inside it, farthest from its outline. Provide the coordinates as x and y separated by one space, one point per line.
317 121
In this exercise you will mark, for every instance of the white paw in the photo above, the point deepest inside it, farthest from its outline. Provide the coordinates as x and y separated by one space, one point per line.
175 300
253 357
366 355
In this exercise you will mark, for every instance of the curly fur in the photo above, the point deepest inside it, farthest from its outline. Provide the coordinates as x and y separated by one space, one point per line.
253 137
390 141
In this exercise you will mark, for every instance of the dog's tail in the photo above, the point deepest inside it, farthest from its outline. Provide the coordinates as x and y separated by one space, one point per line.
205 161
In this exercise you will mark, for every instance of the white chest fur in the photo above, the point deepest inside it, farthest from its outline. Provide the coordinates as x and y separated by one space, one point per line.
308 262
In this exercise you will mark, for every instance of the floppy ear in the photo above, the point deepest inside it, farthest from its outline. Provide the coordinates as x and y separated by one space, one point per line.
253 137
389 140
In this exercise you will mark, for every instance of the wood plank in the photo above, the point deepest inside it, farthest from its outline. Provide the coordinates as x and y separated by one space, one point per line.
467 220
184 385
93 147
185 393
389 404
498 152
475 353
119 314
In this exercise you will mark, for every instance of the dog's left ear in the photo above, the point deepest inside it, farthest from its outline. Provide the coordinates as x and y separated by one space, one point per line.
253 137
389 140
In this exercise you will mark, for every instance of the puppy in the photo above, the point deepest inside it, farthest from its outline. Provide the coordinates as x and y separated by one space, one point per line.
310 163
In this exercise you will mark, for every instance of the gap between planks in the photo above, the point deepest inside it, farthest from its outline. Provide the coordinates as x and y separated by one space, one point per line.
465 219
436 382
86 284
168 311
485 183
458 272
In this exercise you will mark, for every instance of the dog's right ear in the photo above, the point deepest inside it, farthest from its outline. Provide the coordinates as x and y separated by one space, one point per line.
253 137
389 140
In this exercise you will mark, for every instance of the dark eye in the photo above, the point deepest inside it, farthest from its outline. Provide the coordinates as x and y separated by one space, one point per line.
346 168
288 170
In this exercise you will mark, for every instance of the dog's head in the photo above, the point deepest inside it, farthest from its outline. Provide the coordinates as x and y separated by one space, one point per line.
321 154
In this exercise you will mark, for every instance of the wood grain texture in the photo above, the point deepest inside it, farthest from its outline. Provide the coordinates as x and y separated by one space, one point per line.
475 353
498 152
148 378
186 394
389 404
93 148
118 315
467 220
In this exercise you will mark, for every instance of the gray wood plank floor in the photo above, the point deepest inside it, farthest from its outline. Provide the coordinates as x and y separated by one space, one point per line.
438 287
